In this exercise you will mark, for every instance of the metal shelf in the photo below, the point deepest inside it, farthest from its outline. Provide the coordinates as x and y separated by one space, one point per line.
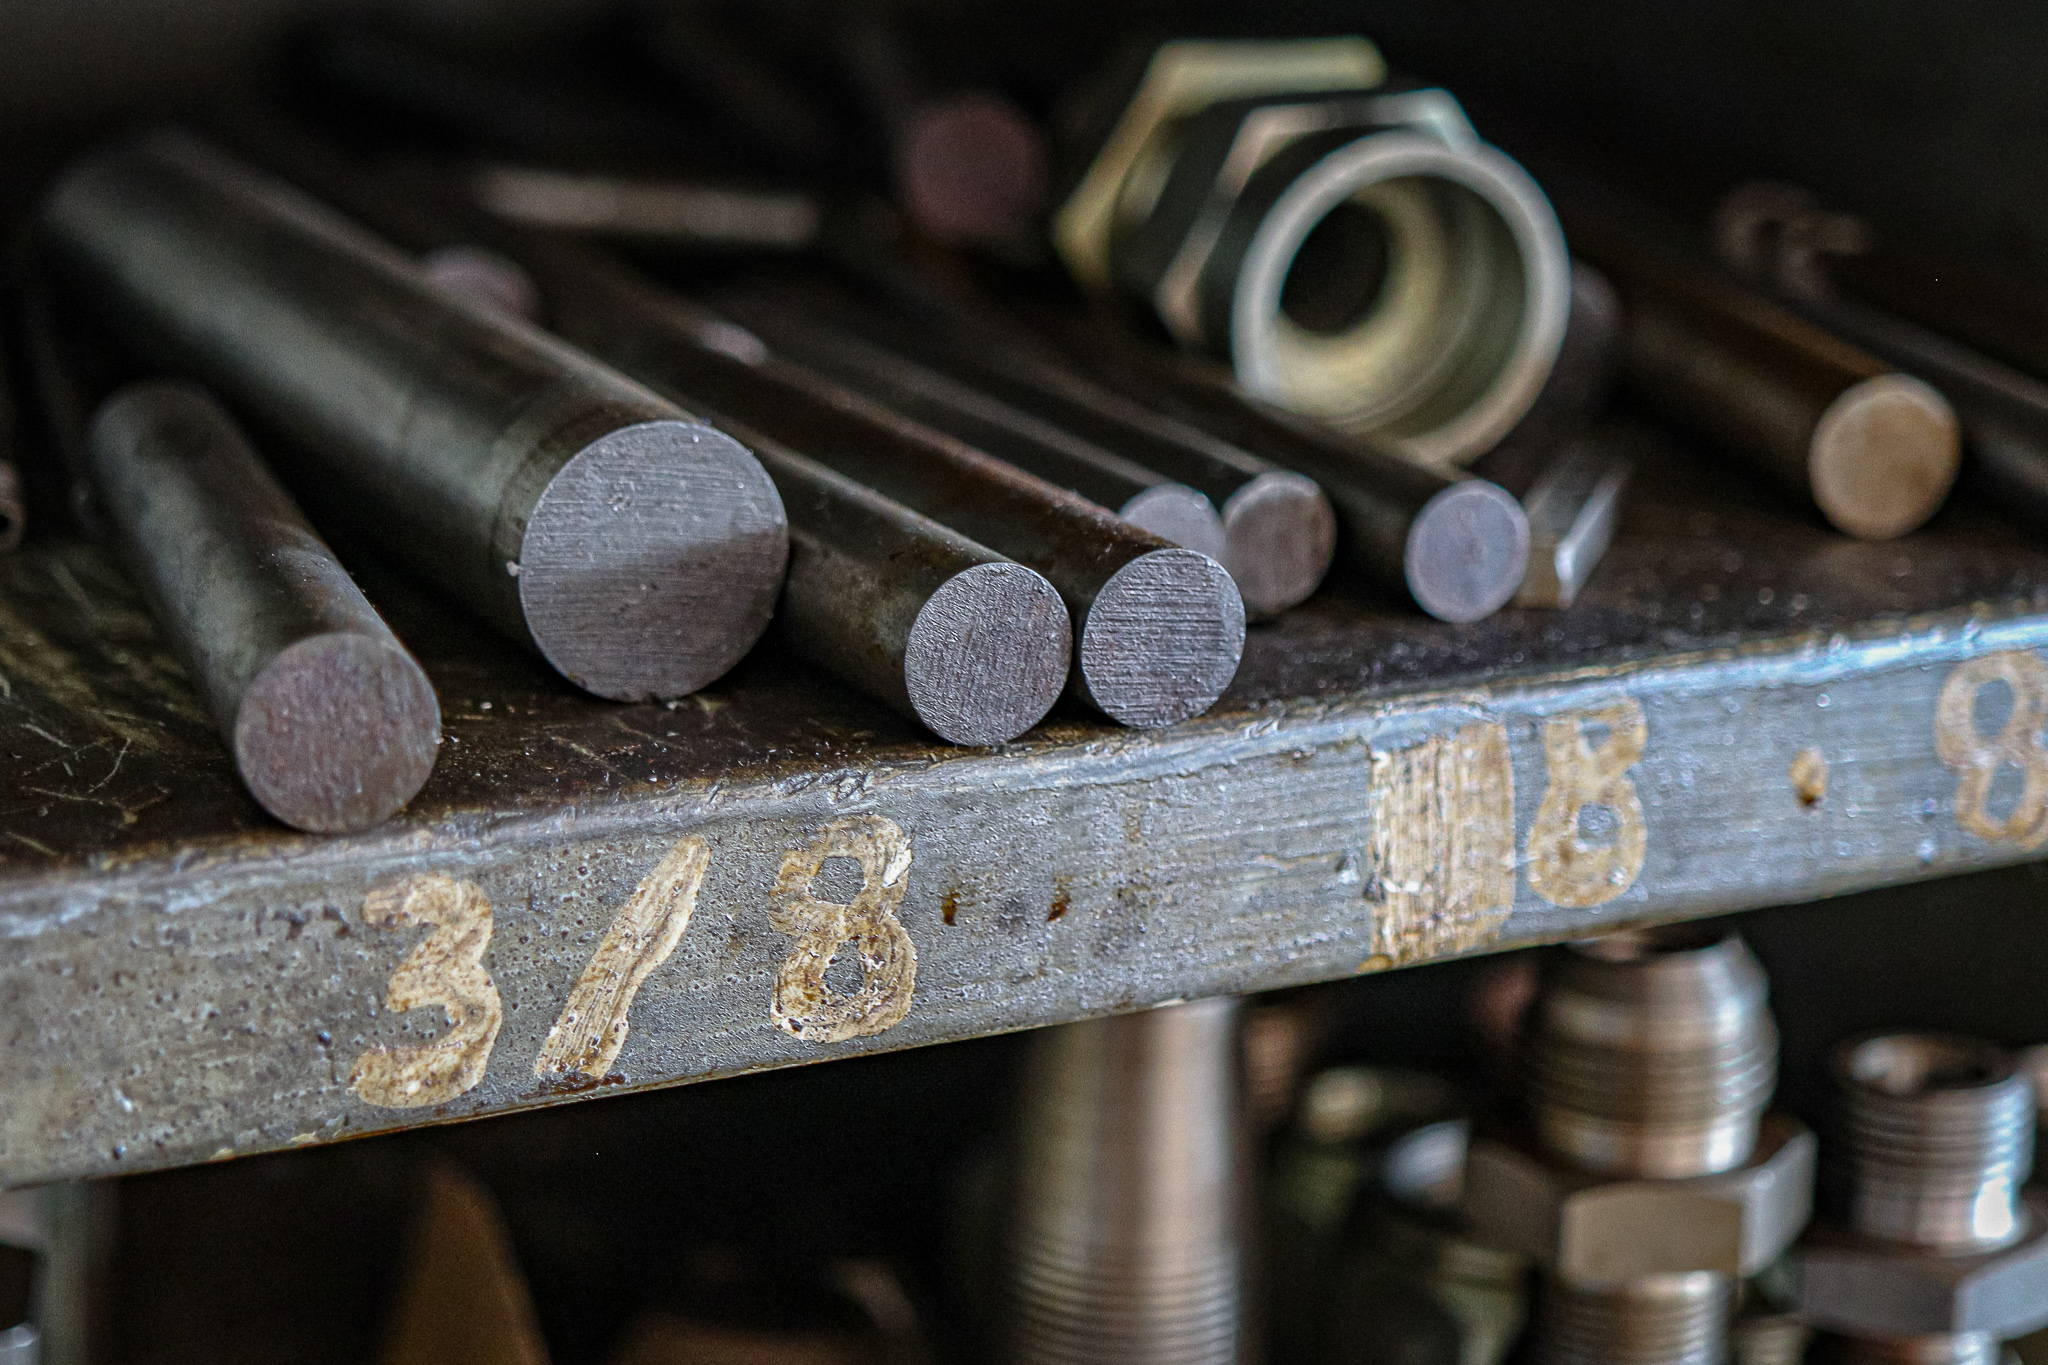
184 981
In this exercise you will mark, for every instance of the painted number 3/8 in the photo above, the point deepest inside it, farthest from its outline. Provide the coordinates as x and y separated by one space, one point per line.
1978 757
446 969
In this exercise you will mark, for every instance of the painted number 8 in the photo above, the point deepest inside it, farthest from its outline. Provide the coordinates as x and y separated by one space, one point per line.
1977 757
804 1004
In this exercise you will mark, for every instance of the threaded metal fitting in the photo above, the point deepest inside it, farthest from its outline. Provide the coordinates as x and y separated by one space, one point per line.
1938 1138
1653 1054
1970 1348
1658 1320
1126 1240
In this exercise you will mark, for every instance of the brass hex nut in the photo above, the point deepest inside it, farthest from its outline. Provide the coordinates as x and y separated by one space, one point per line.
1871 1289
1179 80
1599 1230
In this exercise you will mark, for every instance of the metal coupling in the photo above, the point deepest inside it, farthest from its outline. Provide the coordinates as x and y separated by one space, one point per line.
1648 1179
1127 1237
1355 252
1934 1253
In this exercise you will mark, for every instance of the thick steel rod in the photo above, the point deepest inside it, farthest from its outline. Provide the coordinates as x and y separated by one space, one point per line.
639 550
1158 629
332 724
1874 449
1458 546
974 646
1170 510
1279 532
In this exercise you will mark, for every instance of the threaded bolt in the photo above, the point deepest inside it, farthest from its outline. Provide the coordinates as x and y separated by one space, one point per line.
1653 1055
1126 1242
1938 1138
1657 1320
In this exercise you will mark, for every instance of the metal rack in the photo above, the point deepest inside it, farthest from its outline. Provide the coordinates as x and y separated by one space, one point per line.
1744 709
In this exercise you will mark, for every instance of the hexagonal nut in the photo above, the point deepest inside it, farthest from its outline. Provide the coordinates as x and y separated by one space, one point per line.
1146 104
1872 1289
1161 248
1596 1230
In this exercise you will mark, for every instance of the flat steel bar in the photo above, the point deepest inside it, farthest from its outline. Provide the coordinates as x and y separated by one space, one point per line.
639 550
332 723
1279 531
1875 450
1147 499
1573 508
1456 546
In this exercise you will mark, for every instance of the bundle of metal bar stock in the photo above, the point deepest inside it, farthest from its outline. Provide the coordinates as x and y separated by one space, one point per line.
1321 307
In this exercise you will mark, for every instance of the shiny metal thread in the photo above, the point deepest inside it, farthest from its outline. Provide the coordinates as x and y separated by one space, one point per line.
1653 1055
1938 1138
1127 1237
1658 1320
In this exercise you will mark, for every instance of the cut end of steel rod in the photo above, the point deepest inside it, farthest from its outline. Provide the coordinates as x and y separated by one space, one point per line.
988 654
1467 551
13 508
1884 456
1161 640
1279 535
652 560
337 733
972 168
1175 512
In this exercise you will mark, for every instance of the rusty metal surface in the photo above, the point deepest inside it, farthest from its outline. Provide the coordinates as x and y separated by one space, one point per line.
1742 709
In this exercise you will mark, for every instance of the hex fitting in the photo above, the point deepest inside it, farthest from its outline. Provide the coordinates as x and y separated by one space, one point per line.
1355 253
1126 1236
1934 1254
1647 1178
1653 1055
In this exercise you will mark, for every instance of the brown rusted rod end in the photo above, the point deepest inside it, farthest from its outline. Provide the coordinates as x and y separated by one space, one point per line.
1883 456
651 561
988 654
1161 640
13 508
1279 535
1467 551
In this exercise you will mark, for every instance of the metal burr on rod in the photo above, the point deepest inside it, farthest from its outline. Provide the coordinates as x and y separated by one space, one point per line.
1874 449
640 551
1158 629
1172 511
1130 1218
331 723
1279 532
1457 546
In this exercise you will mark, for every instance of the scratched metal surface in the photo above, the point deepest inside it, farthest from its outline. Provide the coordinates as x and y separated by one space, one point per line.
1743 709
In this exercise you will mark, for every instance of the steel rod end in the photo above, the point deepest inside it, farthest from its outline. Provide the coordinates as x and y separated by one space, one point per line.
1467 551
1175 512
1884 456
972 168
652 560
988 654
1161 640
337 732
1279 535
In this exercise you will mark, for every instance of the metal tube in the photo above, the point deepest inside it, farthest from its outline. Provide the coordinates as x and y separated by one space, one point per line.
1158 629
974 646
1128 1234
1279 532
1875 450
331 723
640 551
1172 511
1457 546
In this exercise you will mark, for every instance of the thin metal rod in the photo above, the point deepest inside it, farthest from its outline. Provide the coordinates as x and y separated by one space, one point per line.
1875 450
1170 510
1279 532
332 724
639 550
1457 546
